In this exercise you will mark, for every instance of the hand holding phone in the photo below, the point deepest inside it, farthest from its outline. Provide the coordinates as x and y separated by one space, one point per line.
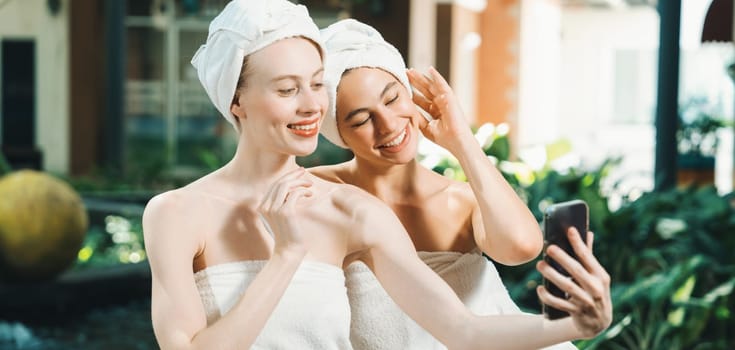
558 218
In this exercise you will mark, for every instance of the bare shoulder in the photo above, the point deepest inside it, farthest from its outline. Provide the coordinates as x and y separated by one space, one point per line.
170 213
354 200
461 191
369 220
457 191
164 204
333 173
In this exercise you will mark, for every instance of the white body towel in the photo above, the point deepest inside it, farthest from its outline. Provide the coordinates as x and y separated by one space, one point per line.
313 313
379 324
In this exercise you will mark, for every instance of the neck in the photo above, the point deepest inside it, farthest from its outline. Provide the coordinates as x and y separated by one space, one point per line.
391 183
258 167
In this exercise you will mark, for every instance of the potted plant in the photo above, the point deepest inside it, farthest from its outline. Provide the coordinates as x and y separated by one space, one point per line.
697 142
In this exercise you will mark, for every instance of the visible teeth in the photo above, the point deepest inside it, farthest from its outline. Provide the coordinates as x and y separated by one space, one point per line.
396 141
303 127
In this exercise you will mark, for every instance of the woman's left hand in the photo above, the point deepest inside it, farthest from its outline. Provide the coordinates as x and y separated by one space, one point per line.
589 303
449 127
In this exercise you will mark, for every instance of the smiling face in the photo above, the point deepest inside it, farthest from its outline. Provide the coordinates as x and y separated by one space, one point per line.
376 116
280 100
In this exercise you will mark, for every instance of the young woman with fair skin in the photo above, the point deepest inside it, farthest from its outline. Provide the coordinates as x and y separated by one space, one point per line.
449 222
251 255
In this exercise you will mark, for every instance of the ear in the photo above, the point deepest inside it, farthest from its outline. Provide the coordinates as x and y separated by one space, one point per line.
236 109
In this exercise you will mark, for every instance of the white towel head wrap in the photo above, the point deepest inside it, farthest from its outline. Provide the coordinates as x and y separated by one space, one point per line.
352 44
243 27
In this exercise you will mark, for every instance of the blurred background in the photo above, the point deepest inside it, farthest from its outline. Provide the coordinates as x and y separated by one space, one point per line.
627 104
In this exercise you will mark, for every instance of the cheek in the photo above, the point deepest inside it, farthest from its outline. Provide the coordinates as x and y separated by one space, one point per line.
323 99
267 116
356 138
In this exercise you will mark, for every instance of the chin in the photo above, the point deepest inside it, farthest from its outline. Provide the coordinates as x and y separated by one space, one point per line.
303 150
404 157
408 154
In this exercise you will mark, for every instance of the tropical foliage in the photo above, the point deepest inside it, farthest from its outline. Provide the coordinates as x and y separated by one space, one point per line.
670 254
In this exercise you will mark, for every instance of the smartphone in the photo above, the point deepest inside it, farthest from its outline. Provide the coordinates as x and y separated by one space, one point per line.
558 218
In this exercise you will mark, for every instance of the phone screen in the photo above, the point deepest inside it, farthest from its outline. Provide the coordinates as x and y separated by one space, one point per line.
557 220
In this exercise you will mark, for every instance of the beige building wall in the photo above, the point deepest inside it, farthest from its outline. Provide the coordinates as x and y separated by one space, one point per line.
538 74
32 19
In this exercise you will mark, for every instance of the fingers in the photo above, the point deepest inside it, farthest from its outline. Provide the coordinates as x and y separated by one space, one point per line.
587 272
565 283
591 284
590 240
558 303
439 80
285 190
431 93
294 196
584 252
279 191
422 101
430 85
422 84
294 174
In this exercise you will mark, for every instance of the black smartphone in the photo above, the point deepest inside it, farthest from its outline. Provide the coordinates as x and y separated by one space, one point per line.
558 218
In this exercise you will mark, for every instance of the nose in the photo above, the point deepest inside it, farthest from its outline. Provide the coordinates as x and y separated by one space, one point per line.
312 101
385 121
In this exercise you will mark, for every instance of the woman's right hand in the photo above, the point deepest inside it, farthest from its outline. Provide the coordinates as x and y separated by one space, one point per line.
449 128
589 305
278 208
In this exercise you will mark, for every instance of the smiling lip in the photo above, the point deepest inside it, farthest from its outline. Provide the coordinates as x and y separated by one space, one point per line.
306 128
398 147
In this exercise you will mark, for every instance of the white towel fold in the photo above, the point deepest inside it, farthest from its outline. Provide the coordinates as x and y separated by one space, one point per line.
379 324
313 313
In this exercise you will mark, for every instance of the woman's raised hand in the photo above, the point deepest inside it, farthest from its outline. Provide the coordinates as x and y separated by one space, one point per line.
449 127
278 209
589 302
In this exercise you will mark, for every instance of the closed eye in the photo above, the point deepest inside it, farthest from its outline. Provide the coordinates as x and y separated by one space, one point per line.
393 99
287 92
363 122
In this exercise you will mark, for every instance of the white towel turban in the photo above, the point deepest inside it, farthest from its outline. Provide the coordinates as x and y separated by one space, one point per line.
351 44
243 27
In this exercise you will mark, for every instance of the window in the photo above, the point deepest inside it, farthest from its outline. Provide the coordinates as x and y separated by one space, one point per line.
634 94
169 119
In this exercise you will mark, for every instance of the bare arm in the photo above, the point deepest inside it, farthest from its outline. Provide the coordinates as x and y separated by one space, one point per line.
427 299
503 226
179 319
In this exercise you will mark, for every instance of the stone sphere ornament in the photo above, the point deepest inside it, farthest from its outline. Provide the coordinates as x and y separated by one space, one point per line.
43 223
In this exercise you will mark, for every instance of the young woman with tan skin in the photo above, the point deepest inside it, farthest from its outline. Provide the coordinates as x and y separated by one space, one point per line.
251 255
373 113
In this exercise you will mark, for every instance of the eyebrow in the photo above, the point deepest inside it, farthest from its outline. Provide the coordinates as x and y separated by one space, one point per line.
294 76
364 109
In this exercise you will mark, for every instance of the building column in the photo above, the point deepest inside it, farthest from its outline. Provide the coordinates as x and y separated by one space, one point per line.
114 122
85 84
667 103
497 68
422 34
